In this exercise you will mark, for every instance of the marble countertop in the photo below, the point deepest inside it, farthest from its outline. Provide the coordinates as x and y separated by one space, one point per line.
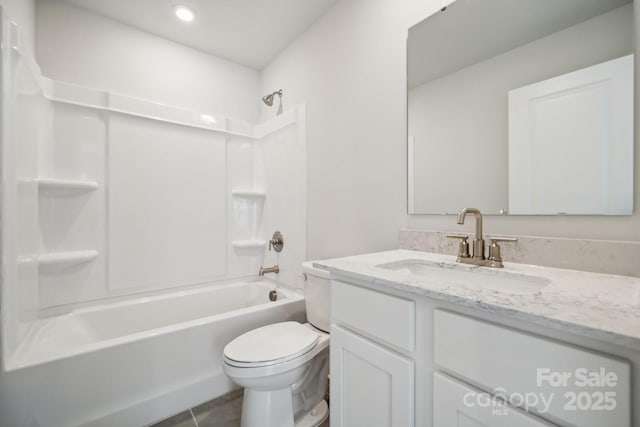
600 306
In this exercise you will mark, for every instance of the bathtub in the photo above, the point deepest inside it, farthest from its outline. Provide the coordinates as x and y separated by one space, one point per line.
134 362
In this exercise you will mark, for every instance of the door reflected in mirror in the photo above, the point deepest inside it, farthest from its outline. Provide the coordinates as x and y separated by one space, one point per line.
522 107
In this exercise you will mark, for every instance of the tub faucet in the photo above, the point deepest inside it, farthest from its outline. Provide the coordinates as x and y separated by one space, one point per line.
274 269
477 256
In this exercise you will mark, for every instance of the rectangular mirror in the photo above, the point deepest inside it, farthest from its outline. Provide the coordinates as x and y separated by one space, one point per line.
522 107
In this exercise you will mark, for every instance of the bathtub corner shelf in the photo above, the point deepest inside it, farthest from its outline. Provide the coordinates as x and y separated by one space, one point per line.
249 194
62 260
249 247
65 187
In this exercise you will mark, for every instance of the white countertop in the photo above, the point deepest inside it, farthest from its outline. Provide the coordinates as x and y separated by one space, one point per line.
600 306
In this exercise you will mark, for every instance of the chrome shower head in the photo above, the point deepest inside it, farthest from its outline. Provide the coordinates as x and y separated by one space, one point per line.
268 99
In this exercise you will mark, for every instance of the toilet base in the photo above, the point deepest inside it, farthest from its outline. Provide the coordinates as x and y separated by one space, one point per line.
267 408
316 416
274 409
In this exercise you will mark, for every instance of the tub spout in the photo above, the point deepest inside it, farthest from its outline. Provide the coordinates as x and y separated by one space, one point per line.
274 269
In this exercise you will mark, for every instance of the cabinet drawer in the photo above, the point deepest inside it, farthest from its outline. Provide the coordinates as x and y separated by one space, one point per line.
517 364
385 317
456 404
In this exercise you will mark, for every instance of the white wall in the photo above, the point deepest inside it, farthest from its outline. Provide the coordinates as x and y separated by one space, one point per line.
350 69
83 48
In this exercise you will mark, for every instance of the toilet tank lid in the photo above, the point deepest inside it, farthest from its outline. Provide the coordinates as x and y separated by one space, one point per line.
308 268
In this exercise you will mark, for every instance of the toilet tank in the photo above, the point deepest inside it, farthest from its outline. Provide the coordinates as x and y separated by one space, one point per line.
317 296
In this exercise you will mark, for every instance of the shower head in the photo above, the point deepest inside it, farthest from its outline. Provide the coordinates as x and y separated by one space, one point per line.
268 99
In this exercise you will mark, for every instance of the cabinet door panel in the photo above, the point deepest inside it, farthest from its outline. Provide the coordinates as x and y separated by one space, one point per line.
457 405
370 385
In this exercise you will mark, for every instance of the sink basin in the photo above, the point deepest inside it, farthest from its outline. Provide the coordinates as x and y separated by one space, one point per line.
470 277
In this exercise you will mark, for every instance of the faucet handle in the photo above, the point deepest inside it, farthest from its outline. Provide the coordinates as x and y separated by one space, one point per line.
494 249
502 239
463 247
458 236
276 242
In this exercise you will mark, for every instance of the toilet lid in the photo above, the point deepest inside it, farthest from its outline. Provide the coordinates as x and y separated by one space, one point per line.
272 343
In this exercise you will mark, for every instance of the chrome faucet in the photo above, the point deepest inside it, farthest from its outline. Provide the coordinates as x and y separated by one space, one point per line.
274 269
477 254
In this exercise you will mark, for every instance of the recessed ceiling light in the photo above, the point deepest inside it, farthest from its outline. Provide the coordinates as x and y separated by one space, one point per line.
184 13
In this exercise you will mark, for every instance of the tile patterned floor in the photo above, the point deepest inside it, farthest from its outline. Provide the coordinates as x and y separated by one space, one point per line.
221 412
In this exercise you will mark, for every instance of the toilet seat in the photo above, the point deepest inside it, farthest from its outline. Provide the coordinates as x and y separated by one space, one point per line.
270 345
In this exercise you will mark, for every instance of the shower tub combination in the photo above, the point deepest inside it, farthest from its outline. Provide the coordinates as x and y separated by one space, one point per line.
122 284
134 362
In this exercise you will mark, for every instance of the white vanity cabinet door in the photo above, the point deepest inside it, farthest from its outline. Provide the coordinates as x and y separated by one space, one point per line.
370 385
457 405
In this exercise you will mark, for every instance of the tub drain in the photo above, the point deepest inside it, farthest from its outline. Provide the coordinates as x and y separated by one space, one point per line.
273 295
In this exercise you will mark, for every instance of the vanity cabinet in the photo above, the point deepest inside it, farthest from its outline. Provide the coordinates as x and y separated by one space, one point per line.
373 373
400 359
370 385
551 376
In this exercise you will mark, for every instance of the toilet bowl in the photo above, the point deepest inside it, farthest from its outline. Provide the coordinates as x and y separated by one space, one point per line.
283 367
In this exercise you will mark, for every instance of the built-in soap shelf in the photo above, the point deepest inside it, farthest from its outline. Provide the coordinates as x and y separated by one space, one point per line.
65 187
58 260
253 200
249 194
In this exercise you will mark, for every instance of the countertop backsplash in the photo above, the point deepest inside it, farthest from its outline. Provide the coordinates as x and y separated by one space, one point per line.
598 256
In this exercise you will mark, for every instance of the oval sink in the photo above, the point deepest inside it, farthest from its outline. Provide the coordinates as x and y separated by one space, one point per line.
470 276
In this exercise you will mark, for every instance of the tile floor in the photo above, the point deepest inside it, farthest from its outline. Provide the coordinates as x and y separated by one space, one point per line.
221 412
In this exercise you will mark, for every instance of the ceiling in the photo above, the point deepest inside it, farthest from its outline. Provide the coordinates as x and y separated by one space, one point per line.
249 32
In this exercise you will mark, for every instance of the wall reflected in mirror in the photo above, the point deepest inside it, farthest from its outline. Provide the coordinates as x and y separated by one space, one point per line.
522 107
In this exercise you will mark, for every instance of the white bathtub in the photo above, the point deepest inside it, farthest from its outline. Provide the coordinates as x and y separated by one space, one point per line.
133 362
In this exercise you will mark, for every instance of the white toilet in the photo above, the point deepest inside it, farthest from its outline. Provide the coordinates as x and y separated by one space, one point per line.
284 367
